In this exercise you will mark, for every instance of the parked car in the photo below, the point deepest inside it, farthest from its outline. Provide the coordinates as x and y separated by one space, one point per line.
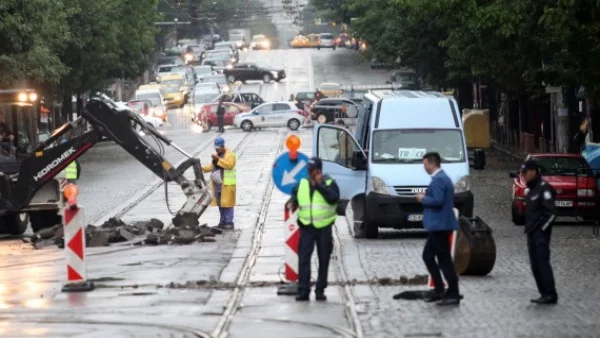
573 180
207 116
330 89
174 97
139 108
326 40
219 61
250 71
272 114
149 109
329 110
313 40
249 100
299 41
157 99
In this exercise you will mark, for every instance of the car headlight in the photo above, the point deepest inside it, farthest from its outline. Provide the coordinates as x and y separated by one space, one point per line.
463 185
225 88
239 44
233 59
188 57
585 193
379 186
229 66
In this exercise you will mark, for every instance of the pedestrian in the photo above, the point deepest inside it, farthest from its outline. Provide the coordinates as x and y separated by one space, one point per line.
540 213
439 221
316 197
221 115
223 180
72 170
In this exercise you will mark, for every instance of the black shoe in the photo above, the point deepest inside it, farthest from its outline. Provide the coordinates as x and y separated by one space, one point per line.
548 299
446 301
219 226
228 226
302 298
320 296
433 297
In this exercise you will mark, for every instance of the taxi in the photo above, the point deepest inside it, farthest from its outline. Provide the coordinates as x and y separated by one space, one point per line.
300 41
178 80
313 40
173 96
330 89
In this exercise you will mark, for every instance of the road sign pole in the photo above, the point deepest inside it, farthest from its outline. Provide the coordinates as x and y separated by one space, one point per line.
288 170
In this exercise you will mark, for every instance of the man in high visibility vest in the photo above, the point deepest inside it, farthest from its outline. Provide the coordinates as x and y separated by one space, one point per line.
316 198
223 182
72 170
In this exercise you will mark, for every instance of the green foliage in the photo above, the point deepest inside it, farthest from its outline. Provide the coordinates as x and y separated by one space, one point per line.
75 45
515 44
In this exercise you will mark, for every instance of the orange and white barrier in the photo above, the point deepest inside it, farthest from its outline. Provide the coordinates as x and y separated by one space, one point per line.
452 241
292 239
74 232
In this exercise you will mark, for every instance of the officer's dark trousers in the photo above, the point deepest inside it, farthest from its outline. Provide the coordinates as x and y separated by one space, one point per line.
220 121
538 243
309 236
438 246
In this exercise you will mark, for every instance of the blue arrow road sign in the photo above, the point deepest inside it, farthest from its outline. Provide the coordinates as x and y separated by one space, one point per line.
287 173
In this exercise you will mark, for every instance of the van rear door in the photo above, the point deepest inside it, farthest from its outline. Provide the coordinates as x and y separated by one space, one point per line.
336 147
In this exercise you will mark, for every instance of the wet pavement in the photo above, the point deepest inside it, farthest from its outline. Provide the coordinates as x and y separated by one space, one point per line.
229 286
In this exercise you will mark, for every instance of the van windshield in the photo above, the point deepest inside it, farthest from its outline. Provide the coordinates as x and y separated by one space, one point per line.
409 145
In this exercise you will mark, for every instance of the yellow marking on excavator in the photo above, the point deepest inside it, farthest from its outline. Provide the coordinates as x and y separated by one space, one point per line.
39 153
167 166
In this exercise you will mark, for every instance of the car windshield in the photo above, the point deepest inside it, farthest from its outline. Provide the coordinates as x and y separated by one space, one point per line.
169 83
153 97
329 87
166 69
204 97
550 165
194 48
218 57
203 70
326 36
170 89
409 145
305 95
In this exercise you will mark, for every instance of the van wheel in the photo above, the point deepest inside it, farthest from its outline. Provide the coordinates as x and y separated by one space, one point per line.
246 125
362 229
44 219
15 223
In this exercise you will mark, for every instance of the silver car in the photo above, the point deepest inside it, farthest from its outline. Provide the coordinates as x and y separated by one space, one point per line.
326 40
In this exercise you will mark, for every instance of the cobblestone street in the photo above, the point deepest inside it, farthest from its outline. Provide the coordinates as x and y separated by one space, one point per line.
496 305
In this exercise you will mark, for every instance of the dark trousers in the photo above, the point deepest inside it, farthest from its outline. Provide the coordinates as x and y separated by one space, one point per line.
309 236
538 243
438 246
220 121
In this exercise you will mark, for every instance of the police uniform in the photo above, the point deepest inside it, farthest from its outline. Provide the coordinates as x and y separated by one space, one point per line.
316 214
540 213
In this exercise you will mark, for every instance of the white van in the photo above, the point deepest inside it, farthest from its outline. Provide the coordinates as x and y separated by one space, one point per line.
379 169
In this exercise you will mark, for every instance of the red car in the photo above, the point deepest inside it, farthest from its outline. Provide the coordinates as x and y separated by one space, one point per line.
208 114
573 181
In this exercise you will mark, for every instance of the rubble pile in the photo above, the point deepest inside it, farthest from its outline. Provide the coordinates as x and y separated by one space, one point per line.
114 230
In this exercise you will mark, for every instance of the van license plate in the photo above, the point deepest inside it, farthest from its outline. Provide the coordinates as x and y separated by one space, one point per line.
564 204
415 218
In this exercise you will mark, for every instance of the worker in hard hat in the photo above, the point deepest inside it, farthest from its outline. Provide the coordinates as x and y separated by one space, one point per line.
223 180
71 172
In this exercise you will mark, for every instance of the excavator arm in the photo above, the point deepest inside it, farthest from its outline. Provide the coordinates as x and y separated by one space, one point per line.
109 120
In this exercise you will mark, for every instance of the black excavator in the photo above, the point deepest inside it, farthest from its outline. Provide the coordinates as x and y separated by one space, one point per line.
30 193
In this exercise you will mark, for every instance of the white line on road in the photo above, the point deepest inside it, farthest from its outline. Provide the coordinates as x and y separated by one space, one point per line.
311 72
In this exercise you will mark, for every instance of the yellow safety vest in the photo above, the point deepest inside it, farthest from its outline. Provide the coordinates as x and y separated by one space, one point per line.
71 171
229 175
317 211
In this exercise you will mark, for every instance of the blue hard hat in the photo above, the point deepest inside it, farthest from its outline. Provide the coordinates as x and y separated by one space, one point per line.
219 142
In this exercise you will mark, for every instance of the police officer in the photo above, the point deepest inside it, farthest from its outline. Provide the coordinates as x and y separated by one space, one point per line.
316 197
539 216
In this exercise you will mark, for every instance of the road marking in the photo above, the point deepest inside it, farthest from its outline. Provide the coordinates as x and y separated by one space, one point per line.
311 72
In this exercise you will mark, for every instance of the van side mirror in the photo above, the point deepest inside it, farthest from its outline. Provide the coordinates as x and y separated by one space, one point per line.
513 174
478 159
359 161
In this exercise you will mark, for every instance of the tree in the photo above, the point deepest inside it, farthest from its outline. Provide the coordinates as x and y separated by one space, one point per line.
30 33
